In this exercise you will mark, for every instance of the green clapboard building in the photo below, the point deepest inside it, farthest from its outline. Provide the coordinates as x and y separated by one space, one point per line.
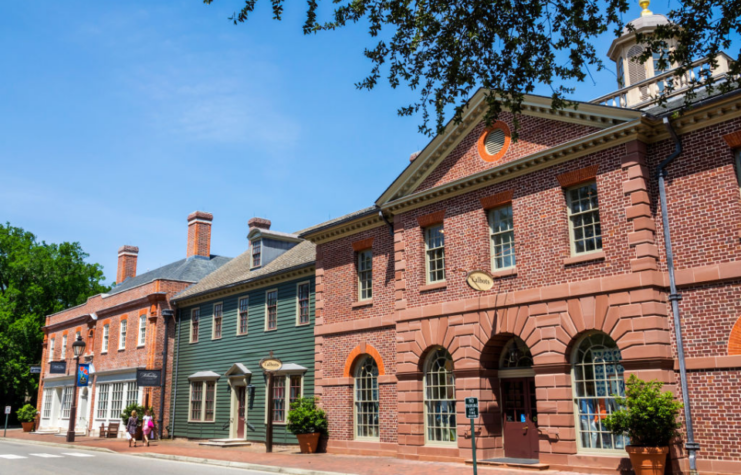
259 302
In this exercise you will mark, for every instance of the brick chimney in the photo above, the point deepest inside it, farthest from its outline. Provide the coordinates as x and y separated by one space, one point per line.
199 234
127 256
261 223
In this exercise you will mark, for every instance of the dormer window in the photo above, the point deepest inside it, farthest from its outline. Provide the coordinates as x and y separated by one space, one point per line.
257 253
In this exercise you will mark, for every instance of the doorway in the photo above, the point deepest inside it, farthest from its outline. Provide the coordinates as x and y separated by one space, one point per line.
82 412
241 401
520 425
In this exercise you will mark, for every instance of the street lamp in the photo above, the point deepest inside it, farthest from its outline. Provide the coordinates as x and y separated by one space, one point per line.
77 348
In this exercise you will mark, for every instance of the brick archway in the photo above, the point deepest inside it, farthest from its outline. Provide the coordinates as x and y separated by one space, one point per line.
363 349
734 340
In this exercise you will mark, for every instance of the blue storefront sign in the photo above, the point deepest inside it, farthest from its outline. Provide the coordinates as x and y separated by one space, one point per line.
83 375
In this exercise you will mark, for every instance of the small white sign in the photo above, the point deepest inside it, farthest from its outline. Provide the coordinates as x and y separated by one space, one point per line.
7 409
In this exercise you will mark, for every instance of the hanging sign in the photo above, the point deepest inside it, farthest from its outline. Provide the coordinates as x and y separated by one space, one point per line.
58 367
479 280
472 407
35 370
83 375
147 378
271 364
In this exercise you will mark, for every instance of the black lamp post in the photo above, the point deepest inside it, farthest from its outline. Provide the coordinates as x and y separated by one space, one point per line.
77 348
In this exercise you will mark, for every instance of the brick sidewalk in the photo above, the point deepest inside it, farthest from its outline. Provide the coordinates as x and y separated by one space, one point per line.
282 456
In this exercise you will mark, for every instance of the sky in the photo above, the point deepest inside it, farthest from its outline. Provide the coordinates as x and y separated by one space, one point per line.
118 119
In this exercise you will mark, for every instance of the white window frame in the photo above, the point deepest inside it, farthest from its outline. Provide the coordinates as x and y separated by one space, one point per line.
106 336
102 398
104 394
142 336
220 307
571 216
298 304
252 254
365 257
195 314
356 403
267 311
495 233
427 235
66 404
239 315
46 407
64 347
122 327
425 381
52 342
204 386
286 377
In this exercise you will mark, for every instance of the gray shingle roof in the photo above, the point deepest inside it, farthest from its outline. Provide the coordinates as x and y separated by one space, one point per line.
237 271
184 270
348 217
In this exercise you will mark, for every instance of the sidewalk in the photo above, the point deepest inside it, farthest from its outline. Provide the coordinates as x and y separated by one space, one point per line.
282 456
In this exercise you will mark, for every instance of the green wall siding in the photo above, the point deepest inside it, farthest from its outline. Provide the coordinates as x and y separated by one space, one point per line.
290 343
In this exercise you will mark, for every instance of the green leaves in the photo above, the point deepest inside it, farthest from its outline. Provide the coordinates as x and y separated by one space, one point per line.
648 416
27 413
305 417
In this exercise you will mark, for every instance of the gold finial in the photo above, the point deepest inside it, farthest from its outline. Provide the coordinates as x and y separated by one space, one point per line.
644 4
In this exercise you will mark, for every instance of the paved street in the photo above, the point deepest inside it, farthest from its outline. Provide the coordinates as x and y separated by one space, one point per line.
18 458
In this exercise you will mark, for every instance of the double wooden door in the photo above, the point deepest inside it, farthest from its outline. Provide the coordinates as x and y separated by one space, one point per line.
520 418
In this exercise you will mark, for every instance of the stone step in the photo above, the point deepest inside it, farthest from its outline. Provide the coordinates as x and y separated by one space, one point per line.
520 464
78 433
226 443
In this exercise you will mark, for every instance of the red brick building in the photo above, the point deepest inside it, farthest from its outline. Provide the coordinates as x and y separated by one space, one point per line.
567 222
123 330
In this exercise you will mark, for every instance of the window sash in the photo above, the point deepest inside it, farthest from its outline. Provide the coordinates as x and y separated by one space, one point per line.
303 304
51 349
210 406
218 318
195 317
106 329
439 395
257 253
117 399
64 347
501 228
196 396
279 399
132 393
435 254
46 411
271 302
122 335
367 400
67 401
365 275
584 219
142 329
103 394
244 313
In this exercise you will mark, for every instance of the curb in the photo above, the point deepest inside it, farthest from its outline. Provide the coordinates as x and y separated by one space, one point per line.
242 465
53 444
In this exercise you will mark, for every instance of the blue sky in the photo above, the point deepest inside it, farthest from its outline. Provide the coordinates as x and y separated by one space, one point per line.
118 119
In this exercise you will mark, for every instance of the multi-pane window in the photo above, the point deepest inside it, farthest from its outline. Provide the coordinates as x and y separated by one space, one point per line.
303 304
598 381
122 335
435 254
502 237
271 302
103 393
218 318
366 399
365 274
195 317
64 347
67 401
586 232
440 418
295 388
51 349
279 399
210 400
46 411
132 393
142 329
244 314
106 336
196 400
117 398
257 253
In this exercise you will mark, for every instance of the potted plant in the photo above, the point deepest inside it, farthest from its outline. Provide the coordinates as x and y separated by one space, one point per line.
649 417
27 416
139 414
308 422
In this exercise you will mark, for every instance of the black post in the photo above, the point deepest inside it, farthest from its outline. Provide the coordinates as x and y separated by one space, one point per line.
166 314
269 428
73 409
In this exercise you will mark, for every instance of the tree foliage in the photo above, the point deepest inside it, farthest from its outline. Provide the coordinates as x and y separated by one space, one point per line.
446 49
36 279
305 417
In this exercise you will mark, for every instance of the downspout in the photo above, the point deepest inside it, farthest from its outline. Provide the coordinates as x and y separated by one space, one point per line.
388 223
674 297
167 314
175 377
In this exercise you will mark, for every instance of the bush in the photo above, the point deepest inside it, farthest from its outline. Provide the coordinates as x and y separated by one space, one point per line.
648 416
27 413
306 418
139 413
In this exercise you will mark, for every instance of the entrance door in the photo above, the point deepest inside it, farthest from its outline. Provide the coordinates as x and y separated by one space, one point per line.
82 409
520 418
240 411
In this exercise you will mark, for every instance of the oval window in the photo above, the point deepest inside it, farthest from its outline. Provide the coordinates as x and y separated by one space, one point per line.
494 142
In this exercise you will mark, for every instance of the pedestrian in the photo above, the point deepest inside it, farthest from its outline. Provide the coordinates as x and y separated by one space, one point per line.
131 428
147 425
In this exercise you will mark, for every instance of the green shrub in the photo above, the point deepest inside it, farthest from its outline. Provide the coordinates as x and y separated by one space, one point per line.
139 413
305 417
27 413
647 415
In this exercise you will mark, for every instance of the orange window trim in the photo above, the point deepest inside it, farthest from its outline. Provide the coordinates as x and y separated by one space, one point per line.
363 349
481 143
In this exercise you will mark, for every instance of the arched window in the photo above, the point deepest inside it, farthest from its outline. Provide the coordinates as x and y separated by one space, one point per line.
439 385
598 380
366 399
515 354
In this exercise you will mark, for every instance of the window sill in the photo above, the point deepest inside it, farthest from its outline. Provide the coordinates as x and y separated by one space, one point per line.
303 324
219 338
104 352
242 334
271 329
122 349
504 272
362 303
435 286
140 346
591 256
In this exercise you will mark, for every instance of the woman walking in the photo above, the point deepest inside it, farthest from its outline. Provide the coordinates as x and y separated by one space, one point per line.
131 428
147 425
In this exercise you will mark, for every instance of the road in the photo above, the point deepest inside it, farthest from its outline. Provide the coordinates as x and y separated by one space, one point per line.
19 458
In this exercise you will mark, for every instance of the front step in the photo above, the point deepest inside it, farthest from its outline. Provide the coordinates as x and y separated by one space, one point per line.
77 434
507 462
47 432
224 443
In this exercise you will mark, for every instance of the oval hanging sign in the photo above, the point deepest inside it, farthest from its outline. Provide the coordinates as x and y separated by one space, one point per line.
479 280
271 364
